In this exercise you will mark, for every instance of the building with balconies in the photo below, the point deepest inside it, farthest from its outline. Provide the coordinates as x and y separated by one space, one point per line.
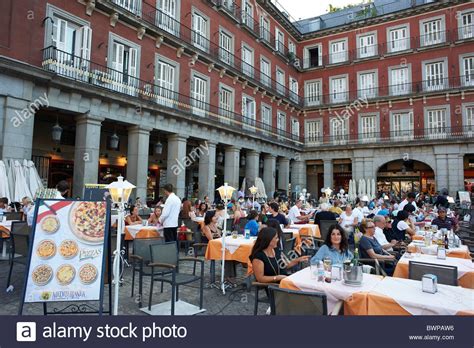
198 93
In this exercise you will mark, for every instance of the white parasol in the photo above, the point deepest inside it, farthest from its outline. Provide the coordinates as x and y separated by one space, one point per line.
261 194
374 189
21 186
4 188
34 180
369 187
11 177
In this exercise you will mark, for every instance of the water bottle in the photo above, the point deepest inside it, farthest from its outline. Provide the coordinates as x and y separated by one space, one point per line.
320 272
451 239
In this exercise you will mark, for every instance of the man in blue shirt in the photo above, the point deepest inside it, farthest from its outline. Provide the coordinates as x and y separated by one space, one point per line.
274 214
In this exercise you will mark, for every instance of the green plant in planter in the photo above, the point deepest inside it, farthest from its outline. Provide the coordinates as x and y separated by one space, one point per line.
291 56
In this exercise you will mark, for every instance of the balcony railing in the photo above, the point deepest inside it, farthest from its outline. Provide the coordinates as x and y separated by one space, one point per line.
403 89
434 133
91 73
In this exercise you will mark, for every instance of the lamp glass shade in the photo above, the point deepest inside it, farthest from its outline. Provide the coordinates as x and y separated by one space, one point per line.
56 133
114 141
243 161
158 148
328 191
253 190
120 190
220 157
226 191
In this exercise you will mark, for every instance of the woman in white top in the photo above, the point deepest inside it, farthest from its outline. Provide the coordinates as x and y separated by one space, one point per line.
348 219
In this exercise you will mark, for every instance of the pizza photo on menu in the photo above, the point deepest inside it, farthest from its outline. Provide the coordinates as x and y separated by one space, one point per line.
87 221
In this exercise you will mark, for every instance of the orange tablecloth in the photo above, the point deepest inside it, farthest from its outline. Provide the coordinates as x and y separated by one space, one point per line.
143 233
5 232
466 281
241 254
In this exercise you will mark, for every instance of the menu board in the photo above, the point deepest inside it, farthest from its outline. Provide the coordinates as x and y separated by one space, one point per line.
67 251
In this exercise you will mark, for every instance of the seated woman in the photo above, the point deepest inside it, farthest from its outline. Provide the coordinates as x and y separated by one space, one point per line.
252 223
336 247
370 248
274 224
202 209
401 226
266 267
210 230
348 219
238 214
154 219
133 218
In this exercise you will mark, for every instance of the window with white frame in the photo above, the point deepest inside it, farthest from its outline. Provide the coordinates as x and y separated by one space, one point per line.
166 82
466 25
280 79
247 14
291 47
367 46
339 129
400 81
200 31
265 29
248 110
368 128
71 38
313 131
295 127
226 47
312 93
167 16
468 125
367 85
437 122
124 59
265 73
398 39
279 40
338 86
435 76
133 6
467 71
432 32
294 90
313 56
199 94
266 117
226 103
402 125
247 61
281 122
338 52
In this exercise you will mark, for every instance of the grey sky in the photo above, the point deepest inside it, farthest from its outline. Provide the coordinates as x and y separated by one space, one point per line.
301 9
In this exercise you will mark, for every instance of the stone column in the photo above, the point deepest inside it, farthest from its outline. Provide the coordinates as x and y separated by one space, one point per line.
283 173
16 128
207 170
455 173
251 166
441 172
269 169
232 166
328 173
298 175
177 163
358 169
86 152
137 160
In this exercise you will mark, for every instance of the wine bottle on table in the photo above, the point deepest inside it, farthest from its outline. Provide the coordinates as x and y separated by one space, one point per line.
355 259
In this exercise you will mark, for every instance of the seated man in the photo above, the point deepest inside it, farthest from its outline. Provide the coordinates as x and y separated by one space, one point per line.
379 235
443 221
295 216
324 214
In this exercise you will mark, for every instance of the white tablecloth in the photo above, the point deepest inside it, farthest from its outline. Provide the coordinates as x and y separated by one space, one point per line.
335 291
232 244
433 249
7 224
408 294
463 265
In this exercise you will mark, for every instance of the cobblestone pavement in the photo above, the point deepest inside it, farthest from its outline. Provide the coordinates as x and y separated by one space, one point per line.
237 300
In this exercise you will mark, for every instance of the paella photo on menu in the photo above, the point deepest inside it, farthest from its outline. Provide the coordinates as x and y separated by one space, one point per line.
67 251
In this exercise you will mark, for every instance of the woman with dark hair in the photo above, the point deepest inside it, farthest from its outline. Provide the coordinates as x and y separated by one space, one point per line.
401 226
210 230
202 209
267 267
336 247
274 224
133 218
252 223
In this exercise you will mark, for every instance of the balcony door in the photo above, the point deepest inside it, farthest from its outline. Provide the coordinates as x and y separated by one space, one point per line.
166 16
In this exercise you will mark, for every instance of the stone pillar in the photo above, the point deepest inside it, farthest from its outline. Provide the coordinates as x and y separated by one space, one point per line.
232 166
207 170
298 175
455 173
269 169
137 160
442 170
328 173
251 166
176 163
358 169
86 152
283 173
16 129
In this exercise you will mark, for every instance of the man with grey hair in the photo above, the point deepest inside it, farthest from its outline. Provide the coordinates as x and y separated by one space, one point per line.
379 222
324 214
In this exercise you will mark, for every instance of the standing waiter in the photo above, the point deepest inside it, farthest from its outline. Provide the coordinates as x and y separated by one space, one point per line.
169 216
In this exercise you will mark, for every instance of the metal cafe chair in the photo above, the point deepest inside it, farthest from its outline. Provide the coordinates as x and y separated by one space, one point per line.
446 274
165 268
13 215
19 246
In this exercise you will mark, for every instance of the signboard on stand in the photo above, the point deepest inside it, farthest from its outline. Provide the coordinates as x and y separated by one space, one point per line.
464 199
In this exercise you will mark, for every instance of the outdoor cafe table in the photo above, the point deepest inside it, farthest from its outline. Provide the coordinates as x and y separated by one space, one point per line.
307 229
236 249
5 228
138 231
461 252
355 298
397 296
465 267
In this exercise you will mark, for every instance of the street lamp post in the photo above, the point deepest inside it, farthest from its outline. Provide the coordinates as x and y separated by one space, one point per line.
225 192
253 190
120 192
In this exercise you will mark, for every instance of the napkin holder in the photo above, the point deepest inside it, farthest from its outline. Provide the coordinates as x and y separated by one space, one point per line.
441 254
429 283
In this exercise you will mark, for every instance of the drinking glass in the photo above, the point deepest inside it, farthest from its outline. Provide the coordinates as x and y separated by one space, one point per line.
417 251
235 234
313 266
